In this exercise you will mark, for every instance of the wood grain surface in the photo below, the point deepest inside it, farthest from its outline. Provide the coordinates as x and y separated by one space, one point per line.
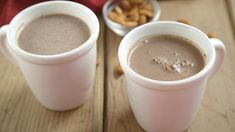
118 115
217 111
108 108
20 111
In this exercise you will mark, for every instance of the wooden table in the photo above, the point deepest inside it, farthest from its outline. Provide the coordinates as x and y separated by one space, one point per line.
108 108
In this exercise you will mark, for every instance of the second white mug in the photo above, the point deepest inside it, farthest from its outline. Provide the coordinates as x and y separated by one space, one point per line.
62 81
168 106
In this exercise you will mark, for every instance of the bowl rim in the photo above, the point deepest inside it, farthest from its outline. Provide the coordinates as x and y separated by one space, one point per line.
108 4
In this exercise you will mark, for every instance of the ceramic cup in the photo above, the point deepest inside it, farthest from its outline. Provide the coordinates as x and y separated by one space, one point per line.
59 82
168 106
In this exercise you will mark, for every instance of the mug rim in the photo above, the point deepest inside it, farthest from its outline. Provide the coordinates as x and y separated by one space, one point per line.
164 84
54 58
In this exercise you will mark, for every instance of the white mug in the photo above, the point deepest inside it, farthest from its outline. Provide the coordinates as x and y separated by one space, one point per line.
59 82
168 106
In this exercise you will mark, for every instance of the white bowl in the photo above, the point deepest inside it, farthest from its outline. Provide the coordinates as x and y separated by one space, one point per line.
120 29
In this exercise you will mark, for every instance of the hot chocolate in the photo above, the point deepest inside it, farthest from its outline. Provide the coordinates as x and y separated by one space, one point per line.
53 34
166 58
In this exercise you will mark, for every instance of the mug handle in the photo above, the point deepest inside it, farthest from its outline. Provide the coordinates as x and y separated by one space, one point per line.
220 54
4 45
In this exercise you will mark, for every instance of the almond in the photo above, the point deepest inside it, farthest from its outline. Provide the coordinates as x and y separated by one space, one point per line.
146 12
211 35
142 19
118 70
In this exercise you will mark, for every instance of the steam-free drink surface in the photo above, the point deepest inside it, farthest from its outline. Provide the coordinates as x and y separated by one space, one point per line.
53 34
166 58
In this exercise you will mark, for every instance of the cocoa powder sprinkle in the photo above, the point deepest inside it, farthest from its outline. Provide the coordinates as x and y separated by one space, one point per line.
177 66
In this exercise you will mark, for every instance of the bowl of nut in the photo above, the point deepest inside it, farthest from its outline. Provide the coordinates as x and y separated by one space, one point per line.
121 16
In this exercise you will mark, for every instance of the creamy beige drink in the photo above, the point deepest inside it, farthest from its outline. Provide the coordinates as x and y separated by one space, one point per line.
53 34
166 58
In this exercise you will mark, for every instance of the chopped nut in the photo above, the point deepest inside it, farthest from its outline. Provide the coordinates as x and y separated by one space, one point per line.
112 15
211 35
175 53
155 59
191 64
177 61
147 7
126 4
146 12
116 17
118 70
130 24
133 11
134 16
182 63
176 68
118 10
142 19
185 21
168 68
